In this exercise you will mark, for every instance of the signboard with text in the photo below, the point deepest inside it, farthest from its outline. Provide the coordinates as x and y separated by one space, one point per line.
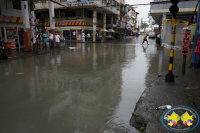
197 48
75 2
186 43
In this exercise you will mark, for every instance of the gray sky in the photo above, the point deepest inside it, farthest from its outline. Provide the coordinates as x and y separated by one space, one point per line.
142 10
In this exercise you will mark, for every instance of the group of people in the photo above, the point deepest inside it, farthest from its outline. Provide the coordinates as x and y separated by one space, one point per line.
84 37
44 37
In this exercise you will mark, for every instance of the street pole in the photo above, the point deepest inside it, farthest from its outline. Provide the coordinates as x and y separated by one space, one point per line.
173 10
195 62
33 35
126 26
170 77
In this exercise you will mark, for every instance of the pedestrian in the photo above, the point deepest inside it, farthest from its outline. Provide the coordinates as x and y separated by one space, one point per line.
44 35
83 36
51 40
16 39
158 39
57 38
74 35
145 39
88 36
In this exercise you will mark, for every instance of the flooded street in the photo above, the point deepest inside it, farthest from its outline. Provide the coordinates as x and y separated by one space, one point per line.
92 88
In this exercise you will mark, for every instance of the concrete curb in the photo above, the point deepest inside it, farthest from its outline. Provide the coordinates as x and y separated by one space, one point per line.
162 93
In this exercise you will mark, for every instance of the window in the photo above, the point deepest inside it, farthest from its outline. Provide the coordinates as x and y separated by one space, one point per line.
16 4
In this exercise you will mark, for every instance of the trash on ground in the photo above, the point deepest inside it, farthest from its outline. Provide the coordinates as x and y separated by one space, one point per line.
19 73
164 107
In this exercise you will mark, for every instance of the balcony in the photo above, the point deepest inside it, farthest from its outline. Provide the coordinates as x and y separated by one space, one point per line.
158 7
82 4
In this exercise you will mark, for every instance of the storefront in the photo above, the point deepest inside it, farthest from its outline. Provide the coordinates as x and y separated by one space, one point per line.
78 26
14 35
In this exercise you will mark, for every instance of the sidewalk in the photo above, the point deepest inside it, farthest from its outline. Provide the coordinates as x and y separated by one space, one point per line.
20 53
163 93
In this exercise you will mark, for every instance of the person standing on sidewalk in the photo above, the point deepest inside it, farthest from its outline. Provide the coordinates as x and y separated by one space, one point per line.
51 40
44 35
16 39
57 37
88 36
74 35
83 36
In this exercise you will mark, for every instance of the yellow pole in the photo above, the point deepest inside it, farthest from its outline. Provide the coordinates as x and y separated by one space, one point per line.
170 76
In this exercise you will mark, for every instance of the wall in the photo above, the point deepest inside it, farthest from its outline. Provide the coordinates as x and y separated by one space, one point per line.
7 9
184 4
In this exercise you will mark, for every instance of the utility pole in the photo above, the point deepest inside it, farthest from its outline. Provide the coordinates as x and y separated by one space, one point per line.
125 8
195 62
173 10
33 35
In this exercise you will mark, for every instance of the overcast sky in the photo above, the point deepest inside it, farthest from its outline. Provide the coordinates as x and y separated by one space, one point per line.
142 10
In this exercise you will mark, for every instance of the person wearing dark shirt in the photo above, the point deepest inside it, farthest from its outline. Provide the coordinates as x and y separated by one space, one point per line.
145 39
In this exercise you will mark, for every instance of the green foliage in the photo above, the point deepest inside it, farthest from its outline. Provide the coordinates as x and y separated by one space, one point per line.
144 26
151 20
188 96
143 127
117 34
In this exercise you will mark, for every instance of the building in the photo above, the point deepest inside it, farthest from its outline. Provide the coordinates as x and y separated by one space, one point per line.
159 9
131 20
80 16
14 18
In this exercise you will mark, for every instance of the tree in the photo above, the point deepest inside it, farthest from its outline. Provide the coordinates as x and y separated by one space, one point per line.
144 26
151 20
117 34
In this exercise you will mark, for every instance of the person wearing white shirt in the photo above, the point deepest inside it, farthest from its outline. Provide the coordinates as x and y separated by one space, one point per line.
57 38
83 36
88 36
74 35
51 40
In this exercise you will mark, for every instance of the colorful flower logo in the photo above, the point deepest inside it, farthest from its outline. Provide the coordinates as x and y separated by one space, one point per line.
180 119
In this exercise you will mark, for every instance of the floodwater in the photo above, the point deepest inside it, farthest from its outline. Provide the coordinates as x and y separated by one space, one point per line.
92 88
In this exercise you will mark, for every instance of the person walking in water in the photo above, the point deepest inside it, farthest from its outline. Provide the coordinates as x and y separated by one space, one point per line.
145 39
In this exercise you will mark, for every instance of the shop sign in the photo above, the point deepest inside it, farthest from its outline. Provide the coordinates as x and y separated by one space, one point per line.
33 34
33 17
9 28
186 43
77 3
7 18
122 25
197 49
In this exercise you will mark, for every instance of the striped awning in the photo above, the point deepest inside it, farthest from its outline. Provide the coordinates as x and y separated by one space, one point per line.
73 23
14 19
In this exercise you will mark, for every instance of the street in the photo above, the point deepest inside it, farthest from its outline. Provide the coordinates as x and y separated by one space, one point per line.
87 88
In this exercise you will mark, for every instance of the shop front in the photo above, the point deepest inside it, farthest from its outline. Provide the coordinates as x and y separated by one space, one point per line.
78 27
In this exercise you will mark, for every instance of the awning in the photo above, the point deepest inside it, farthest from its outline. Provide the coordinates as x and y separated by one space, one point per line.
76 27
10 24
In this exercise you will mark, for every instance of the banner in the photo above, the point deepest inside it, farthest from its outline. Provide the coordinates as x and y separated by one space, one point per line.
186 43
197 49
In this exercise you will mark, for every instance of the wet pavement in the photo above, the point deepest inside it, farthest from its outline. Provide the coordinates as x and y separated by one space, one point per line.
86 88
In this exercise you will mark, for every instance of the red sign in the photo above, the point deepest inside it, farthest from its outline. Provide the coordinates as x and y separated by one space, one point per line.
9 28
7 18
197 49
186 43
12 42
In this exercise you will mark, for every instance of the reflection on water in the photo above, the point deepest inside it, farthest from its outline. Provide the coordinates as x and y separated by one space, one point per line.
88 88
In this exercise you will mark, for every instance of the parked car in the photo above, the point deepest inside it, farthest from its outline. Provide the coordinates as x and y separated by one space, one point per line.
152 34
